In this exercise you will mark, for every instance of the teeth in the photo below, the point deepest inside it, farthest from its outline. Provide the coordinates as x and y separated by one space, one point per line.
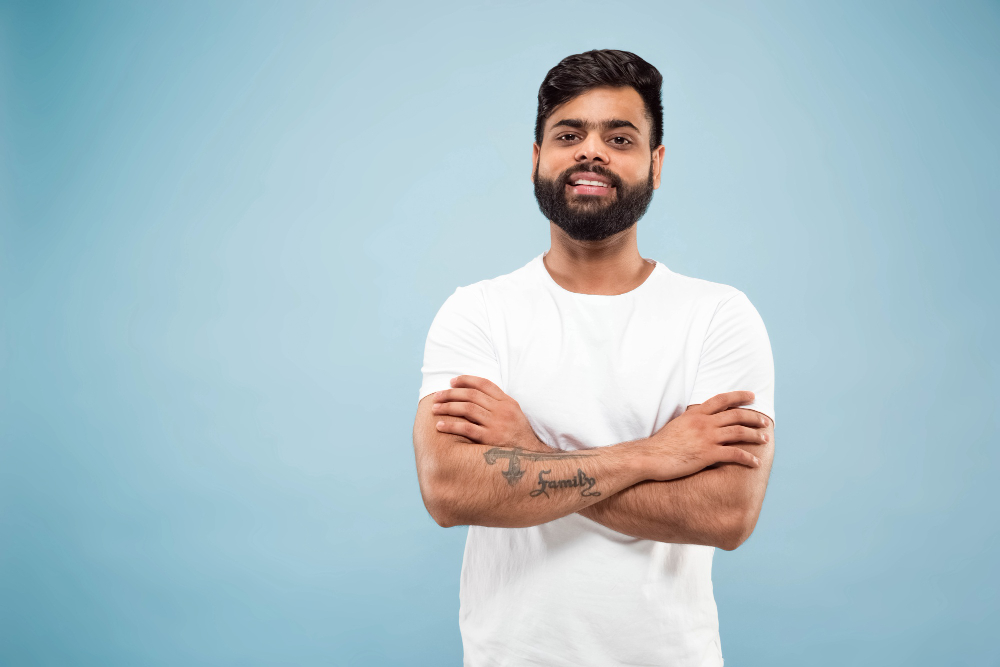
603 185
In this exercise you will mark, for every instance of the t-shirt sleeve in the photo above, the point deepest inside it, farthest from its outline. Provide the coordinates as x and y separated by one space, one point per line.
736 356
459 343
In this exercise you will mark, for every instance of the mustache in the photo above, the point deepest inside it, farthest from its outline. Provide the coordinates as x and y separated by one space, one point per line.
594 169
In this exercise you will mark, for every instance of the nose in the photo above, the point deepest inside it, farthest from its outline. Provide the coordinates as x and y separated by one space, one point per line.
592 148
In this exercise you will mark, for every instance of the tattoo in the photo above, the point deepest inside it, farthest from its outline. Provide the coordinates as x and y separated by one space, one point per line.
513 473
581 480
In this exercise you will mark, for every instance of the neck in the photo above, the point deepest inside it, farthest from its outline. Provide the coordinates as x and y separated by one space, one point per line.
609 267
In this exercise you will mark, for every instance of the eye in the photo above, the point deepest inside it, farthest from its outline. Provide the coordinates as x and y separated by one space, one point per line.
568 134
624 141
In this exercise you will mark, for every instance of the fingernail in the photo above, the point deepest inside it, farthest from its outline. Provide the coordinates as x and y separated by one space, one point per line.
440 424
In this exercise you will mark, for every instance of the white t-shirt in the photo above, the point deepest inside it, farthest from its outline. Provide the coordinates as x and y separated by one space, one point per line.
589 371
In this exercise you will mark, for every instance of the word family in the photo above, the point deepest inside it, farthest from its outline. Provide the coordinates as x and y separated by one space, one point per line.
581 481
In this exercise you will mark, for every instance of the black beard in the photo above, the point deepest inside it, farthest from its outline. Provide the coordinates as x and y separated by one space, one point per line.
591 218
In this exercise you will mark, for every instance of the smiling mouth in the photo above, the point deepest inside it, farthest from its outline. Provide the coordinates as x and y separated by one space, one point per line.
594 188
592 183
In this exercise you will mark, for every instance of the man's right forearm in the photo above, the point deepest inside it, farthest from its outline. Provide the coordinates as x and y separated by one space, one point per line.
470 484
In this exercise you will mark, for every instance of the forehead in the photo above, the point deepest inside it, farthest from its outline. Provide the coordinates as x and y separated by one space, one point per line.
603 104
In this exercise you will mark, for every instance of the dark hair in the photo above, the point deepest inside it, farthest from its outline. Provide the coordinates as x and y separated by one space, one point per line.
577 74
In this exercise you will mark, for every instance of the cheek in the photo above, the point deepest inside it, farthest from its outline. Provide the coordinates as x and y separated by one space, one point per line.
552 178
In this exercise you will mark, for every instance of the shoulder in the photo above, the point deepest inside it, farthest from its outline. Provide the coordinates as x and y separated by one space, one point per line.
521 280
705 293
474 300
711 305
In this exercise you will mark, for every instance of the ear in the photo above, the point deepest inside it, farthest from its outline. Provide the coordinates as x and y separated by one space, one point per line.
534 160
658 164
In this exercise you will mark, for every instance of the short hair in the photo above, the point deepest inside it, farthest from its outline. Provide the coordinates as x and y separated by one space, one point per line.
577 74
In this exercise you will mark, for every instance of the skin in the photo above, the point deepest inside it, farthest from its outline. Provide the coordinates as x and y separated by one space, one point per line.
612 265
704 497
698 480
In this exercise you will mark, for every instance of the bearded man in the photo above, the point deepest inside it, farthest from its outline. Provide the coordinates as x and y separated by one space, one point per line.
600 422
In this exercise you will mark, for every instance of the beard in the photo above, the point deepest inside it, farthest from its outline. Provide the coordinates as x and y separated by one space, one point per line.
593 217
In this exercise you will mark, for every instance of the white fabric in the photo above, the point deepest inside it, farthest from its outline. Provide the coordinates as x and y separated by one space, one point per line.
590 371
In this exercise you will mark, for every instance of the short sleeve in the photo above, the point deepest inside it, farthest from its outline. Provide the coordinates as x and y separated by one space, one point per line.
459 343
736 356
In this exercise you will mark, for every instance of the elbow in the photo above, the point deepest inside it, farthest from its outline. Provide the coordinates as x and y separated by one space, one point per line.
442 513
732 541
443 519
738 530
439 502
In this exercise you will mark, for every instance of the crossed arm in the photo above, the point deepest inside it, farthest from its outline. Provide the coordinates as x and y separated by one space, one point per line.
714 502
717 506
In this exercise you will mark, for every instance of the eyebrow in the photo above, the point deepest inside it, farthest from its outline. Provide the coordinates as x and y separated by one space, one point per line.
603 125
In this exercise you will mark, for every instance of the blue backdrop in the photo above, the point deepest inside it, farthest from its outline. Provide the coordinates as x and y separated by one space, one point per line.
226 228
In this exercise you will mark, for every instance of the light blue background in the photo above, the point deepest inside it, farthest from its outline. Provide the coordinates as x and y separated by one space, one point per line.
226 228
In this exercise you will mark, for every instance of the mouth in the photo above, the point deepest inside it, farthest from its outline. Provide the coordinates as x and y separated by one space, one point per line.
589 183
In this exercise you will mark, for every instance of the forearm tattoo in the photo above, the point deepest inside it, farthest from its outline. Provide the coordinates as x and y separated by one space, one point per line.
514 472
580 481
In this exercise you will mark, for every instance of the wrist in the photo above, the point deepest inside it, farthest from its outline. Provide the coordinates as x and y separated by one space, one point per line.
634 459
531 443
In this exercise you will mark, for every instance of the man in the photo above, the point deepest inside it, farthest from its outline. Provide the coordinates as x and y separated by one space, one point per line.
582 414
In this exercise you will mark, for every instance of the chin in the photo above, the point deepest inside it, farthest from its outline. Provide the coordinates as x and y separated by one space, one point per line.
591 200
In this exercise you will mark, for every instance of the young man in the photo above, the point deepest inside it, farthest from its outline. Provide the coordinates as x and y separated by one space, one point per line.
600 422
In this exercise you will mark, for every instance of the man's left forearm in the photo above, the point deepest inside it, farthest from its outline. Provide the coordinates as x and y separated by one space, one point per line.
717 506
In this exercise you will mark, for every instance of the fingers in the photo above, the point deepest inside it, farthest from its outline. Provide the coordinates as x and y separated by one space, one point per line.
720 402
756 436
482 384
466 395
473 432
743 417
470 411
736 455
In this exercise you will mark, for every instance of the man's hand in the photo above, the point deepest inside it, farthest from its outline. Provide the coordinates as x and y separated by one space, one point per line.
717 506
696 439
689 509
703 436
470 467
489 416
